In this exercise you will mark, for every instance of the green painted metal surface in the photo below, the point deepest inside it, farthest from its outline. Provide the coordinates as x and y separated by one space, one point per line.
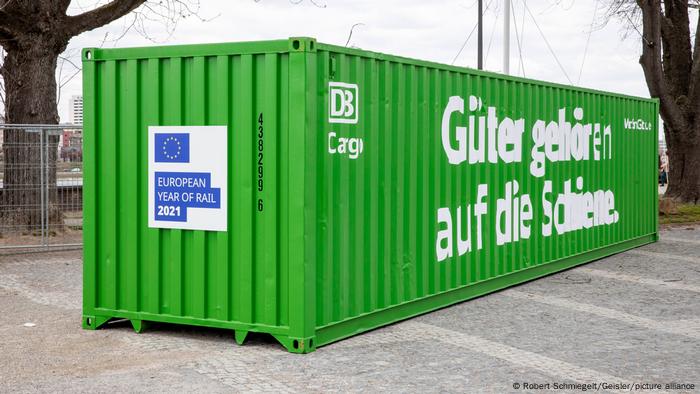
373 170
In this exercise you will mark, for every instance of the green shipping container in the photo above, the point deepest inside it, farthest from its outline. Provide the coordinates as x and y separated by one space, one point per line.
314 192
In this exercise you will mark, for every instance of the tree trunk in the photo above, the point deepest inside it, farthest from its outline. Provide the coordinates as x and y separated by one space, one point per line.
30 97
674 78
684 167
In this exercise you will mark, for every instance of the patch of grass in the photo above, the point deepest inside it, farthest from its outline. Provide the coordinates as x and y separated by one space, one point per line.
687 213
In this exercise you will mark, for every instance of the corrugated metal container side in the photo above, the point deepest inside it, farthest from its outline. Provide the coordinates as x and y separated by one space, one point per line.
366 213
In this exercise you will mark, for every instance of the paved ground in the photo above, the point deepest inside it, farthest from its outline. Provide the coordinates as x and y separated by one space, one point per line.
630 318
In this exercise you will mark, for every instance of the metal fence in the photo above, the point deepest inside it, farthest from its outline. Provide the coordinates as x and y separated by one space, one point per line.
41 187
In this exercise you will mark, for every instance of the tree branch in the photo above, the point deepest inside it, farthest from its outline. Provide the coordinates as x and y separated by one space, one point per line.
100 16
652 65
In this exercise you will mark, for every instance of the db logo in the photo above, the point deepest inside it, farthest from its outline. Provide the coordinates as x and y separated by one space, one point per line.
344 102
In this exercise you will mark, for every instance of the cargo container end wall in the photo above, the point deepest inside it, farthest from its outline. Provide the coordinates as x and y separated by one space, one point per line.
247 278
392 186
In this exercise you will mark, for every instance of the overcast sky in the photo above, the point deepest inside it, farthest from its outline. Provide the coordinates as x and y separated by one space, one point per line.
431 30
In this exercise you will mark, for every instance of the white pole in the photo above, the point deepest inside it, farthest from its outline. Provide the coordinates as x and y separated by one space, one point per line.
506 37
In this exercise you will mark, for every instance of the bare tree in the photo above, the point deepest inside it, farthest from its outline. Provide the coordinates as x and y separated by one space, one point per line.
671 64
33 35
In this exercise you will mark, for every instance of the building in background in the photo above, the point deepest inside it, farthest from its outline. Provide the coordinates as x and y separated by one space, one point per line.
70 145
75 110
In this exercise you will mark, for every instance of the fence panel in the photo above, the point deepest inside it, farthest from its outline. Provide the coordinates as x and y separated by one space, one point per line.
41 182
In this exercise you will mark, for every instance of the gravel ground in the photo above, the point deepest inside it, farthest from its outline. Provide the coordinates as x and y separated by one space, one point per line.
629 319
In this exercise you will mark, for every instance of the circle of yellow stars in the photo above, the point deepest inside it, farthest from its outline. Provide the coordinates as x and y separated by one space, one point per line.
165 151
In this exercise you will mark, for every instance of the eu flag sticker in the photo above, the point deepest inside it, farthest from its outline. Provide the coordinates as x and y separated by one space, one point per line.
172 147
187 177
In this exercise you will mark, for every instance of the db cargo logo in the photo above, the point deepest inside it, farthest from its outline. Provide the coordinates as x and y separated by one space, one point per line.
344 102
637 124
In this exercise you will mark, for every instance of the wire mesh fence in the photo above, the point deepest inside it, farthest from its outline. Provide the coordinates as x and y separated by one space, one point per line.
41 187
